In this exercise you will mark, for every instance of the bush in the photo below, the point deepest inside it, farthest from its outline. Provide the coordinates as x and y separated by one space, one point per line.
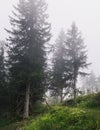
89 101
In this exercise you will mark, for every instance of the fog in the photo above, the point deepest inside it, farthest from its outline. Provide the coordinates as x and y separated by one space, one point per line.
62 13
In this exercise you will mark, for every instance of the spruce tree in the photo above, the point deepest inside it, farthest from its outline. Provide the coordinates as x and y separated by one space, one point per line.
60 80
77 56
2 67
3 87
27 38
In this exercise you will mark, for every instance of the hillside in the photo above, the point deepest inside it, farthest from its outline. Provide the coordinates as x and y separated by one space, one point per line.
63 118
86 116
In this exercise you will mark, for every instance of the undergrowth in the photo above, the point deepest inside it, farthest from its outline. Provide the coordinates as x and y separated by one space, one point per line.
63 118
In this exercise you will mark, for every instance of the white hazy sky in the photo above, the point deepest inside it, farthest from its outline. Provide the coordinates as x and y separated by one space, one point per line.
86 14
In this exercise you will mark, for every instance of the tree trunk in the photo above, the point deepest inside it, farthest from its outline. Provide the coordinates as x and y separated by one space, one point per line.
47 104
61 96
26 105
74 91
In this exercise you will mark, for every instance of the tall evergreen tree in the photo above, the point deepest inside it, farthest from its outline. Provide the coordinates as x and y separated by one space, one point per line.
2 67
60 84
27 38
77 56
3 88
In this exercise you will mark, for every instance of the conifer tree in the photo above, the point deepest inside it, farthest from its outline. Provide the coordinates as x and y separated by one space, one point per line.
27 38
3 87
77 56
60 81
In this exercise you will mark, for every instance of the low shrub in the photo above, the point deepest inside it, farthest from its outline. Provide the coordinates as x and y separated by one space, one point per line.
89 101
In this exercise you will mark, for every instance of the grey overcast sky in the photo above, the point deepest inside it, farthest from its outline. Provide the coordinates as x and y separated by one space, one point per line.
86 14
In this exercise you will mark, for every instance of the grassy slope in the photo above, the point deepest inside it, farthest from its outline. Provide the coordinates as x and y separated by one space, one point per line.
64 118
59 118
7 125
95 113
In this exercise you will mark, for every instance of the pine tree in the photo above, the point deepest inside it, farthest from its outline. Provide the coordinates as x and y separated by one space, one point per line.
27 38
76 53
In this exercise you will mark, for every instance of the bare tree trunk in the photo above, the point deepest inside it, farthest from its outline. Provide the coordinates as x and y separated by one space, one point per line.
47 104
74 91
61 96
26 105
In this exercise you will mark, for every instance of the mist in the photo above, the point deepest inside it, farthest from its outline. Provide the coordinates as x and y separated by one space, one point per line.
61 14
49 64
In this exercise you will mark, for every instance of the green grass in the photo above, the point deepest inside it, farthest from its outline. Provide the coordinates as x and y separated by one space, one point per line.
64 118
95 113
85 117
58 118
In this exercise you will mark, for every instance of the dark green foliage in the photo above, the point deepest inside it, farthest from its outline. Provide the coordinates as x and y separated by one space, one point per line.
39 109
16 122
8 124
26 55
64 119
2 68
87 101
4 100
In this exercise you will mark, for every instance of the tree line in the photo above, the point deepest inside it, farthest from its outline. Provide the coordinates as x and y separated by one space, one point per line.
24 73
